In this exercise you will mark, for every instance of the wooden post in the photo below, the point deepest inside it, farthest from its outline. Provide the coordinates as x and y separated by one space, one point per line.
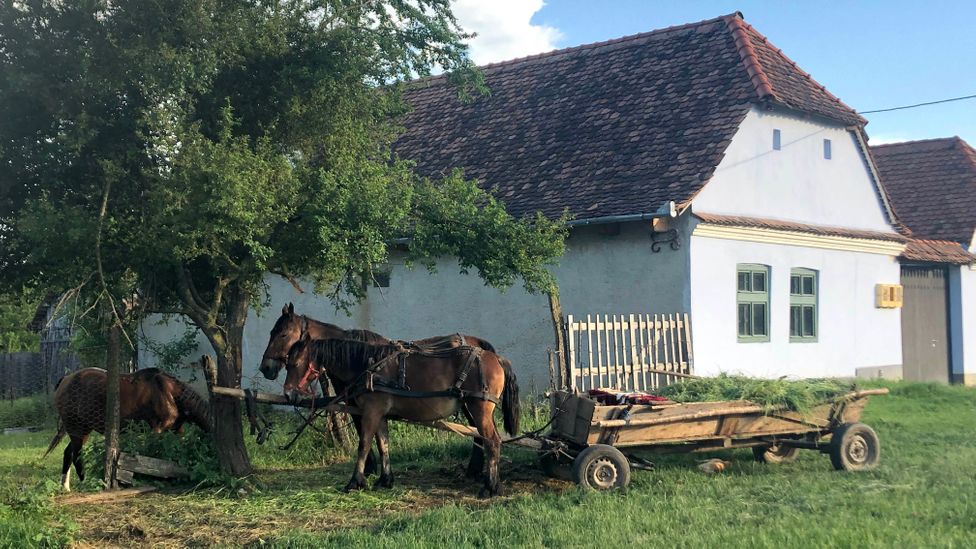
555 308
112 401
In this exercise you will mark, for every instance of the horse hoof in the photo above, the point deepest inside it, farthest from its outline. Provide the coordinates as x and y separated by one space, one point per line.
487 493
353 486
384 482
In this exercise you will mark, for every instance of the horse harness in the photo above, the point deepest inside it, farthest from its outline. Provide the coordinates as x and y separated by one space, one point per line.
372 382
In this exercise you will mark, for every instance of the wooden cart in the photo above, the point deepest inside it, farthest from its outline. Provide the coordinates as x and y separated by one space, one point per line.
600 438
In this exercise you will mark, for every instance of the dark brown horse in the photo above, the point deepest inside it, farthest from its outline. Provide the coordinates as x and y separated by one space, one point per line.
149 395
415 384
290 327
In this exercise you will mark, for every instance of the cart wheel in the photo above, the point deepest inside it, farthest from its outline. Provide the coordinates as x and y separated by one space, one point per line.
775 453
601 467
854 447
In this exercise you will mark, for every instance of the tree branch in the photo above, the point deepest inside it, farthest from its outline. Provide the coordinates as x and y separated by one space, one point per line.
193 308
291 280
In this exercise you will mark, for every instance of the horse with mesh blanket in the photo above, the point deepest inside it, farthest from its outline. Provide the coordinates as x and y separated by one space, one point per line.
149 395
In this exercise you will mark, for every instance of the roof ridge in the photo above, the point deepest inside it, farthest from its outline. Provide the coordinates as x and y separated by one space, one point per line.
737 26
953 138
745 26
584 47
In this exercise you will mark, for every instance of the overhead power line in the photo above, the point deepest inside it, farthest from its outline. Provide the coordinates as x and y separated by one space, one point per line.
921 104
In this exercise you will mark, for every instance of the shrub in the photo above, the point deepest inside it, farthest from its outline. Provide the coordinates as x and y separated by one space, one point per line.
32 411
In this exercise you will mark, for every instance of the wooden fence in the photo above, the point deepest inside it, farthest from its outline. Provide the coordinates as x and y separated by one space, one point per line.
25 374
637 352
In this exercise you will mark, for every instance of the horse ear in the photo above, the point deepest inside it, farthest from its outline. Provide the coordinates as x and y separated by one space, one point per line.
291 308
284 311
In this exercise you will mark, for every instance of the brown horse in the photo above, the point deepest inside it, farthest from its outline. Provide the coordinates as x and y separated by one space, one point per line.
290 327
415 384
147 395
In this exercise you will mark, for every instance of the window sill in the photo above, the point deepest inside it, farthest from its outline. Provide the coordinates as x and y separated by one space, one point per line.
803 339
764 339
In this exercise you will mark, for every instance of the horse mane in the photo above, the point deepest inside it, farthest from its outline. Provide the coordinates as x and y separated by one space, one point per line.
356 354
194 407
188 401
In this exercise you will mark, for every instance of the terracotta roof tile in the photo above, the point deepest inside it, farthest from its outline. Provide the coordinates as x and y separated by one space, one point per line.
775 224
938 251
932 186
612 128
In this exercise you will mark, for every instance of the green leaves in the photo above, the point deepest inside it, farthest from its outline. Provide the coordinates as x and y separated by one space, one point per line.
239 138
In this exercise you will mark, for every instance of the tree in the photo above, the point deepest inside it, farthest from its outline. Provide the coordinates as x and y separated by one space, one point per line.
232 139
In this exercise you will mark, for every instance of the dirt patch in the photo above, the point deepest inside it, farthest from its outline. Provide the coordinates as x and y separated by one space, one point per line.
286 500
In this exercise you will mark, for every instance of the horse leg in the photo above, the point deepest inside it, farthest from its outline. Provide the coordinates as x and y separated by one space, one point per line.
79 463
370 467
476 463
369 423
492 441
66 465
383 444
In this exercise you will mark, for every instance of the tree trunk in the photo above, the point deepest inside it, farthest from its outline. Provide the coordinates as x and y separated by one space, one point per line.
555 308
112 368
228 428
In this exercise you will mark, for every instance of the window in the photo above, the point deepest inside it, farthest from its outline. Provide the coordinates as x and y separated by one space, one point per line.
776 140
827 149
803 305
752 302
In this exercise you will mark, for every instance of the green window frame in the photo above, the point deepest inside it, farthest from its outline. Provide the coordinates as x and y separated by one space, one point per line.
804 288
752 302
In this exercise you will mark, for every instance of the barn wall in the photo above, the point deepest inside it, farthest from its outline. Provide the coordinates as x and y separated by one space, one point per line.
795 183
962 323
600 273
852 332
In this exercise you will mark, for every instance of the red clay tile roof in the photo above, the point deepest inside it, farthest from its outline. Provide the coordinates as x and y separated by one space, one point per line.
775 224
612 128
938 251
932 186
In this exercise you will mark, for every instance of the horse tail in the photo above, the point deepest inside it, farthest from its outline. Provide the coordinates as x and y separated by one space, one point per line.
511 407
57 438
195 407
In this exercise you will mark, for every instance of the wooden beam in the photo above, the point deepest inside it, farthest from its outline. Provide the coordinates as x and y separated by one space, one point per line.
273 398
145 465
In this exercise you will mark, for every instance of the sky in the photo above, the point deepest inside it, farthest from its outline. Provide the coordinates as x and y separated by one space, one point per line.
872 54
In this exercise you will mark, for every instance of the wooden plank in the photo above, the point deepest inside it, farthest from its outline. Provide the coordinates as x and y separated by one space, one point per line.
124 477
600 328
151 466
689 346
617 364
589 349
571 329
106 496
634 362
680 343
662 333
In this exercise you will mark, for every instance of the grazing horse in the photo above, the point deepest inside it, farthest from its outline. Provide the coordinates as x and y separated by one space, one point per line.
147 395
290 327
411 383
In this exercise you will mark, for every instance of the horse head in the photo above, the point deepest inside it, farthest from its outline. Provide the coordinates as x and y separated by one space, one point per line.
300 370
288 329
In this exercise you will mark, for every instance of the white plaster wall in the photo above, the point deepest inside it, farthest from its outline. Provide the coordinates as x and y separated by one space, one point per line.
599 274
962 319
795 183
852 332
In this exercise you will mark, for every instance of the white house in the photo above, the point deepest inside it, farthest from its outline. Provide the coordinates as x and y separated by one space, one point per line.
781 234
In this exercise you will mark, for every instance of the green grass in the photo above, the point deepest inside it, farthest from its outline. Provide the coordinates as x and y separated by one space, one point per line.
923 494
32 411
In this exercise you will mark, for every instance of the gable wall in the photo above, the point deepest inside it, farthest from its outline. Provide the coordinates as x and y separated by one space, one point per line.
794 183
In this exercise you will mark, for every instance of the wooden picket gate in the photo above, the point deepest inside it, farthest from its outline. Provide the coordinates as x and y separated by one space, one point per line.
637 352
